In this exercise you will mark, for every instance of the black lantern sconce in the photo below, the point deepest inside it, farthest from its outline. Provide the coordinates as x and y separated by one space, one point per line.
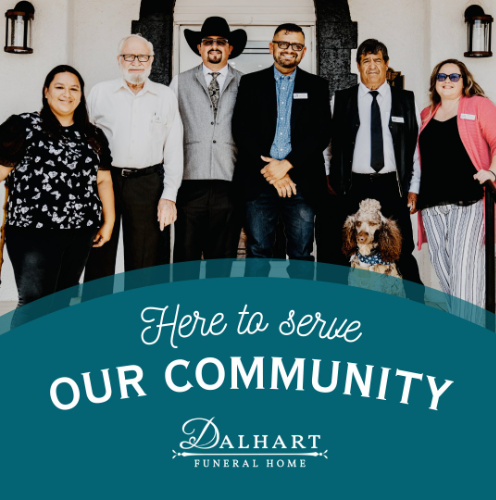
479 32
18 29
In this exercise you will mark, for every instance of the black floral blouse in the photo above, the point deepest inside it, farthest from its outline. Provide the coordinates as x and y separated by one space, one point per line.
53 183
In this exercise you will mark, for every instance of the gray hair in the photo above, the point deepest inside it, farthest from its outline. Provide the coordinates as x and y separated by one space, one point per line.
139 37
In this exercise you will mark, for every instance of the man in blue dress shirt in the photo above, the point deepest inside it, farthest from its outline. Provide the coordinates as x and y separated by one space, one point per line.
281 125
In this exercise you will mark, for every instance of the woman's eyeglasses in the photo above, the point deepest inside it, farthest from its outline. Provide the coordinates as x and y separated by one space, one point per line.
454 77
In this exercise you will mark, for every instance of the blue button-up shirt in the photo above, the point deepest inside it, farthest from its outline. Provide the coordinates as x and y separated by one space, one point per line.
281 146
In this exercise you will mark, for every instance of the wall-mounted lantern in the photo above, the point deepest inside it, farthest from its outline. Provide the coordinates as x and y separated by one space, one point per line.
18 29
478 31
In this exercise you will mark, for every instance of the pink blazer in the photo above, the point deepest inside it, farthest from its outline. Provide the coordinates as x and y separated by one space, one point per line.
477 128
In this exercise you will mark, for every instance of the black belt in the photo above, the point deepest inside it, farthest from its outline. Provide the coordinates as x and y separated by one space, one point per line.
137 172
375 177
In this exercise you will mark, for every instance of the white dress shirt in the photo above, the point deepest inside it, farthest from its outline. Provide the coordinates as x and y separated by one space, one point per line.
143 129
208 78
361 155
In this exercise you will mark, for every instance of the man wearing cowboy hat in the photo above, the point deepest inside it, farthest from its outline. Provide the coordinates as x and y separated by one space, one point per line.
208 222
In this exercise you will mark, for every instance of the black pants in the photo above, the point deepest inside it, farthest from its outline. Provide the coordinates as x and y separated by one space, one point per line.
45 262
208 225
145 246
384 188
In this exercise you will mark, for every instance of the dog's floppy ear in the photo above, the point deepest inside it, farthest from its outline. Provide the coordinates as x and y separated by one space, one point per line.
390 241
349 236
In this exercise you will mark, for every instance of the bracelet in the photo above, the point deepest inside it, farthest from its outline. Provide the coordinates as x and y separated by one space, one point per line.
493 174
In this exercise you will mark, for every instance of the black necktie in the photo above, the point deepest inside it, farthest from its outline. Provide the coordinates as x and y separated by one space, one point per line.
376 143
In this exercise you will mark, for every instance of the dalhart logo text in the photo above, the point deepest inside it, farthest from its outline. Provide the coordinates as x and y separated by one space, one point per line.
206 447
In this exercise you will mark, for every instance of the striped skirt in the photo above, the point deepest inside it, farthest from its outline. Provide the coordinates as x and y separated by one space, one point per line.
455 235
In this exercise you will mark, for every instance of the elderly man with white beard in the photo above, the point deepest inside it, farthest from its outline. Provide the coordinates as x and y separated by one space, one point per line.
142 123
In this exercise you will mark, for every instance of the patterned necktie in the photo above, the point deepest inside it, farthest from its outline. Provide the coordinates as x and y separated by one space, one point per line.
376 142
214 92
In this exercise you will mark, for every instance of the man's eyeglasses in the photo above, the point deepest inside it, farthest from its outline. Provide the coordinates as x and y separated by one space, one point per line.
132 57
298 47
221 42
454 77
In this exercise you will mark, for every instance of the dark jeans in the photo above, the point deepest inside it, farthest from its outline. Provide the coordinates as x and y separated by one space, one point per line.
262 215
45 262
208 225
384 188
136 201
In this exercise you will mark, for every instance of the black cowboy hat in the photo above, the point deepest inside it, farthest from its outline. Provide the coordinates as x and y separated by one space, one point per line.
217 26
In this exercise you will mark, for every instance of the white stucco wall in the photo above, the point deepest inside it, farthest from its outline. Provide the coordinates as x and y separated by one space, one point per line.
98 28
85 33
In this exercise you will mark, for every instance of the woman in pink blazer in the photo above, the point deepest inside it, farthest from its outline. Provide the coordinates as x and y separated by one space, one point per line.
457 145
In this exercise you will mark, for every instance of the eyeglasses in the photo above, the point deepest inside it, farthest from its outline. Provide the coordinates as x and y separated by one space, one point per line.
454 77
221 42
298 47
132 57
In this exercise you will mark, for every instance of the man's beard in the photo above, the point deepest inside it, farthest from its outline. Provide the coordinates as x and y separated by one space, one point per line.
214 57
284 63
136 78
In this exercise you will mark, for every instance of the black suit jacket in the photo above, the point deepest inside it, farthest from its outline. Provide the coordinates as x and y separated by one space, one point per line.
346 123
254 128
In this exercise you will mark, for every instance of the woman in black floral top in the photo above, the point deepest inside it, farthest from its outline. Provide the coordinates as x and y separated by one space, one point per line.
61 200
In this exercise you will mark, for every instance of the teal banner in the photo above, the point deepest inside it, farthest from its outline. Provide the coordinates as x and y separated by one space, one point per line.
237 388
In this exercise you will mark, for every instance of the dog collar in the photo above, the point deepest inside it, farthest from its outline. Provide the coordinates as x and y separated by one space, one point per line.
372 260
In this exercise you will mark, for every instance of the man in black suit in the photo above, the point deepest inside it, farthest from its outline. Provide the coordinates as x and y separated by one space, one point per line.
374 151
281 125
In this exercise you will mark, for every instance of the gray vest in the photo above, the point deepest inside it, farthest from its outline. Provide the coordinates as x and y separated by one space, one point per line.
209 149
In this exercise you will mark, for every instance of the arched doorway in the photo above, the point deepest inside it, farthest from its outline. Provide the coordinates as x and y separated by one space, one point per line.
335 33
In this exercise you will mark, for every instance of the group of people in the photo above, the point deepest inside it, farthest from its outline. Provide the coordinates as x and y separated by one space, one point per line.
218 150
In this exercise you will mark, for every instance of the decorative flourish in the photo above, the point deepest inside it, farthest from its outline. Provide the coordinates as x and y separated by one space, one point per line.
267 454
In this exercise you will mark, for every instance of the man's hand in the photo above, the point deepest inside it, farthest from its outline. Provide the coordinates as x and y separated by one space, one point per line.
166 213
285 187
412 202
275 170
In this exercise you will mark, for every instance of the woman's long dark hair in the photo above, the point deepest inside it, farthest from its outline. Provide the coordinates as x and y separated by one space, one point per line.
52 126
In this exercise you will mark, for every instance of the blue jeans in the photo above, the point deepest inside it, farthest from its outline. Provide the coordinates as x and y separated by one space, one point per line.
262 215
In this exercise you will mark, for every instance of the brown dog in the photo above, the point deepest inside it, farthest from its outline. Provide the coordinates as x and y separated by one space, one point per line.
371 241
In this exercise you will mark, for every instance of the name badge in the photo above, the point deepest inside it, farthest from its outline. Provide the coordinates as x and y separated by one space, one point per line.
464 116
398 119
303 95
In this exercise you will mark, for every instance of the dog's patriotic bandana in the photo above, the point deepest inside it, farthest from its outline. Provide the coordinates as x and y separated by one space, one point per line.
372 260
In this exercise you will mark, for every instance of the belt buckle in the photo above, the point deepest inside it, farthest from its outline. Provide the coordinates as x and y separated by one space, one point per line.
126 172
